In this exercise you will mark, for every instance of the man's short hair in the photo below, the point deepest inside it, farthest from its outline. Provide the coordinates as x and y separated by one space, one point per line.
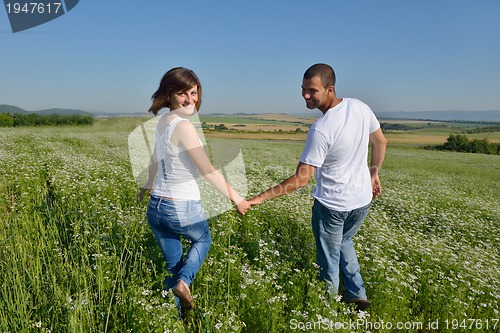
325 73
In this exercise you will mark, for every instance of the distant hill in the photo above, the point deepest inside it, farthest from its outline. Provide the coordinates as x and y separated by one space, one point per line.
121 114
63 112
14 109
486 116
11 109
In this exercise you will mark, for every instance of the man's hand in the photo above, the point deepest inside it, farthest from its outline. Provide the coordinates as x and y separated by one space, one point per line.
379 144
255 201
376 187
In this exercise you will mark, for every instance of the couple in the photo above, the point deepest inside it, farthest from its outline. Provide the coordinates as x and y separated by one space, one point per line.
336 150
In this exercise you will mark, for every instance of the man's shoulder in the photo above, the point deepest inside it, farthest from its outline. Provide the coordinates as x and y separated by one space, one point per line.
318 125
351 101
323 127
356 105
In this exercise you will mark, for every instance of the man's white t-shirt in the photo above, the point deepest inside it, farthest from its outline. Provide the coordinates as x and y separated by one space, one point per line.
337 145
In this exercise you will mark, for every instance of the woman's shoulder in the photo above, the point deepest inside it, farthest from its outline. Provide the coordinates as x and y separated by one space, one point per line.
184 124
185 132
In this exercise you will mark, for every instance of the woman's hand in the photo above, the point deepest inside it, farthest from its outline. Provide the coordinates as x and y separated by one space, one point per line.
143 192
243 207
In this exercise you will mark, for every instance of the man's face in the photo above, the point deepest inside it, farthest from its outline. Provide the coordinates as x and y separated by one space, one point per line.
315 94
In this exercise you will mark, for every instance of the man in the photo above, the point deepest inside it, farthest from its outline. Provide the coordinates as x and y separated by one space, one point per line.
337 150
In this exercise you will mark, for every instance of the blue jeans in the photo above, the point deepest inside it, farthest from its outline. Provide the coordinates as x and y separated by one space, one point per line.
335 254
171 219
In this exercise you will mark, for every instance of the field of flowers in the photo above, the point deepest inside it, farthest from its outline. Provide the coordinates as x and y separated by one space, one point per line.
77 255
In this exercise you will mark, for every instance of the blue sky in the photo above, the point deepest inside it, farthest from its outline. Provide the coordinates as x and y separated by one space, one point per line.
395 55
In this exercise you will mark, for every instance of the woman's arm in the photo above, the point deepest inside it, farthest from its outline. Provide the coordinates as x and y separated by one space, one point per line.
188 138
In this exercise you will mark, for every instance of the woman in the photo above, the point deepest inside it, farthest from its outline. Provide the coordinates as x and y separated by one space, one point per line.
175 209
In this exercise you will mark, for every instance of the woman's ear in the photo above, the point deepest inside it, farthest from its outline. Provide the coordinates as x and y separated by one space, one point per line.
167 101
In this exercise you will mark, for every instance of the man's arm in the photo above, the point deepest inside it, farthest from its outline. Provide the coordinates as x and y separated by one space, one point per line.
300 179
379 143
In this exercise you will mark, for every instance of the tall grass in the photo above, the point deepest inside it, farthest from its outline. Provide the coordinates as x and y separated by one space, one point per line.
77 255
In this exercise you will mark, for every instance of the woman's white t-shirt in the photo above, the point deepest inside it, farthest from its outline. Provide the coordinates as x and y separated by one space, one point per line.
177 175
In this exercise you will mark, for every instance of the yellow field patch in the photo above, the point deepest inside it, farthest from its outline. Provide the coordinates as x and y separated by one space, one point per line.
255 135
414 139
262 127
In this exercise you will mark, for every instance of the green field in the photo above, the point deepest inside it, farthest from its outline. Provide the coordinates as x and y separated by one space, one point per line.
77 255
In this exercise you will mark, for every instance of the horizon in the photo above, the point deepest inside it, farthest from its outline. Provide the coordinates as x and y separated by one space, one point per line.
249 113
436 115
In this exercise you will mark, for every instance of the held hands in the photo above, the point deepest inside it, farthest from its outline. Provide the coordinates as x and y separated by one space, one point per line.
257 200
243 207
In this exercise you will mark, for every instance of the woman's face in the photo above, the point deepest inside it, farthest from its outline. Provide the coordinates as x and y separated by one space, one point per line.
185 99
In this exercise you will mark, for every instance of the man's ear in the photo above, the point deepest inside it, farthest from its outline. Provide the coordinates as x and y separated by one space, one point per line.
330 90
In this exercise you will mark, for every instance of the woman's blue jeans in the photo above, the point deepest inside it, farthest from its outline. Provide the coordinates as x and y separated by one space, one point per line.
172 219
335 253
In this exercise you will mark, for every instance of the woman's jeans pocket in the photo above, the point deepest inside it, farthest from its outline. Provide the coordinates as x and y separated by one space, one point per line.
177 216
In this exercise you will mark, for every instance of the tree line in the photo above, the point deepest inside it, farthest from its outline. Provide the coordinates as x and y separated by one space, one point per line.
460 143
17 120
484 129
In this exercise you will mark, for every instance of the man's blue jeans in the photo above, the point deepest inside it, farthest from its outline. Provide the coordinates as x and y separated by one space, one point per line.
172 219
335 254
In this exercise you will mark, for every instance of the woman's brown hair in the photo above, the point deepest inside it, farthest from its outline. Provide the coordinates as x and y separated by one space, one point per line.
178 79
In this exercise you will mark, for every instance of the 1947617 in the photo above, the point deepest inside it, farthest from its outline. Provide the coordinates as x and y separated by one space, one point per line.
33 7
